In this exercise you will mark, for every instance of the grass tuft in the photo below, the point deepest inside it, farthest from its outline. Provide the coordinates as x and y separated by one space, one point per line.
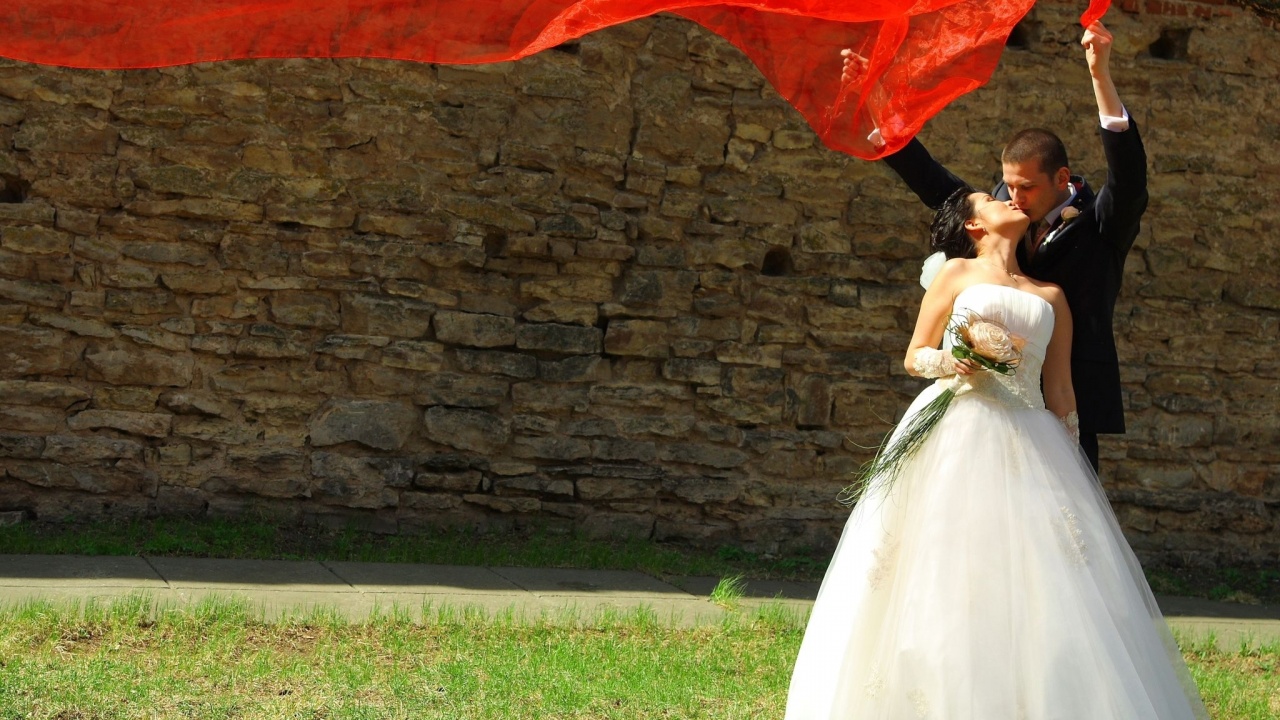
729 591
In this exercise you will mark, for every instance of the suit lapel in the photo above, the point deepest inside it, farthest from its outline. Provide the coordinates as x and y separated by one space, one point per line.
1062 236
1054 245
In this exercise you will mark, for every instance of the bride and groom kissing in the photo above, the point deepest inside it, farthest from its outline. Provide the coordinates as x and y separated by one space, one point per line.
985 576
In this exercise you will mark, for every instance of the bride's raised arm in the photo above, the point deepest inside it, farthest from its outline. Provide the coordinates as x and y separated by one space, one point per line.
1059 394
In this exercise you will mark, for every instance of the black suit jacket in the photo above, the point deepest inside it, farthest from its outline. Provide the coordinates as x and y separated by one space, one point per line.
1084 256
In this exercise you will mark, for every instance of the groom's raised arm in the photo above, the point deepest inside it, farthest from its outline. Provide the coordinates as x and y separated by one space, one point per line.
1123 200
927 178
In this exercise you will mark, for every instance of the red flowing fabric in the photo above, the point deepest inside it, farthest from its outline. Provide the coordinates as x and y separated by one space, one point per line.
922 53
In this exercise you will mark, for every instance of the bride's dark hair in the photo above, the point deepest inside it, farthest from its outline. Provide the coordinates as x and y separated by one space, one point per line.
947 234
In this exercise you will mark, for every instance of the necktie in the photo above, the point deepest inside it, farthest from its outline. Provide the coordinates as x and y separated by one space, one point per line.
1038 232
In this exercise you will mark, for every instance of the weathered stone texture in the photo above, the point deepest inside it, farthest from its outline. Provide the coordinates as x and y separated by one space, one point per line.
621 289
375 424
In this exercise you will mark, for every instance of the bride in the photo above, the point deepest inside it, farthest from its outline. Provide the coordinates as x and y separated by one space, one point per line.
987 579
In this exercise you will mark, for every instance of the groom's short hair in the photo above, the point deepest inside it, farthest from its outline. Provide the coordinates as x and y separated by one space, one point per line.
1036 144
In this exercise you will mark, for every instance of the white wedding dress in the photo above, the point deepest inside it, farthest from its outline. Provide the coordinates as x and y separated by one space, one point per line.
991 580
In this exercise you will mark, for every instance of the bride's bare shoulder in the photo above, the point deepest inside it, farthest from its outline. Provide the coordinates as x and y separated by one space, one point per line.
950 279
1049 291
955 269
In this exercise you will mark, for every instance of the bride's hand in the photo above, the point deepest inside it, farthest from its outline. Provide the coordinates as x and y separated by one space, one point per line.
965 367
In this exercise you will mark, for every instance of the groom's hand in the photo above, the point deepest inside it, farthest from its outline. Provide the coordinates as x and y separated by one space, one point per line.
854 65
1097 49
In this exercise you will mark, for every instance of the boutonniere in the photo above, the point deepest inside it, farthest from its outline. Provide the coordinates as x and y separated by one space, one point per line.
1069 213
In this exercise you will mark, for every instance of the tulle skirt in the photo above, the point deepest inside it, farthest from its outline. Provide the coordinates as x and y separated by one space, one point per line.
990 582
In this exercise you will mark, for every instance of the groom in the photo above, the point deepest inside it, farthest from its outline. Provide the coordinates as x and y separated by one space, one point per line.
1077 239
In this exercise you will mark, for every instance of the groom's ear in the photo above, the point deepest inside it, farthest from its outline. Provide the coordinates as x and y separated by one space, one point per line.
1062 178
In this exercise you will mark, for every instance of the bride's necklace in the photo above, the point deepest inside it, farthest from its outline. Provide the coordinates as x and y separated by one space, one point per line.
1005 270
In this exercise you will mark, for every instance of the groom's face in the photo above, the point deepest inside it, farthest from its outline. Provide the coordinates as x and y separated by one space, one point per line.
1034 191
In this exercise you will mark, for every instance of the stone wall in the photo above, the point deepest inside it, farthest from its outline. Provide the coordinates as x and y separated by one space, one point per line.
616 288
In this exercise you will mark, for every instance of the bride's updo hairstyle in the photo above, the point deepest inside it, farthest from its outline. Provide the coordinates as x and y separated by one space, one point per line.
947 234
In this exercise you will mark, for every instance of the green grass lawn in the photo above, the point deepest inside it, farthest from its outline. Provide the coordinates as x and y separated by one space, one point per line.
1241 685
218 660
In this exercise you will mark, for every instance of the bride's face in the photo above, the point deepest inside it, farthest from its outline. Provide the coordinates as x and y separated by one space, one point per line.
996 216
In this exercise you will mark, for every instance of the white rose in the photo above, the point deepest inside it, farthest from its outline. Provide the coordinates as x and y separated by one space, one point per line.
992 342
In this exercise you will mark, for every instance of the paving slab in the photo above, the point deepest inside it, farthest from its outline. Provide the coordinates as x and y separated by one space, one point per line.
1232 625
419 605
279 588
546 582
245 574
800 608
1201 608
81 596
1228 635
693 612
51 571
425 579
274 604
765 589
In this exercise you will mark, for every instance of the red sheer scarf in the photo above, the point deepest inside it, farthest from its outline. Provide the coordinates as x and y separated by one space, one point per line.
922 53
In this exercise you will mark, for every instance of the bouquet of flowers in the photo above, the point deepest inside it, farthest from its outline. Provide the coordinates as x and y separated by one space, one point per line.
986 344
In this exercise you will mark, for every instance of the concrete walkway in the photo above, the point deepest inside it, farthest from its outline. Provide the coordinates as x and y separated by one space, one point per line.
355 590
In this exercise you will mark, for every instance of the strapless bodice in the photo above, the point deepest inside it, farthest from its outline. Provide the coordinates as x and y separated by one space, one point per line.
1024 314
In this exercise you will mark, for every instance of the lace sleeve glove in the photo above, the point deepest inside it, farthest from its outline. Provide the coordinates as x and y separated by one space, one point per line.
1072 423
933 363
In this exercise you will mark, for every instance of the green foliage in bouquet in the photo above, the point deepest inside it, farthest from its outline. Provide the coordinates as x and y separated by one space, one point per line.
985 344
892 457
